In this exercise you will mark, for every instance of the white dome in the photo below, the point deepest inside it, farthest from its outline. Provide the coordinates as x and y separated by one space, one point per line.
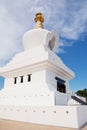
37 37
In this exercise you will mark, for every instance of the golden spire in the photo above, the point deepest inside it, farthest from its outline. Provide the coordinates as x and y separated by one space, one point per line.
39 20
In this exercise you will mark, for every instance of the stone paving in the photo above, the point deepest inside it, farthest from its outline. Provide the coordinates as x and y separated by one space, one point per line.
14 125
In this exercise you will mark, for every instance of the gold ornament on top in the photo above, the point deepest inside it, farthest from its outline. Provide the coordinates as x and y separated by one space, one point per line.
39 19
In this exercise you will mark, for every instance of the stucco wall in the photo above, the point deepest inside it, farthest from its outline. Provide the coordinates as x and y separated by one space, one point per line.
65 116
36 77
35 92
82 115
50 79
61 98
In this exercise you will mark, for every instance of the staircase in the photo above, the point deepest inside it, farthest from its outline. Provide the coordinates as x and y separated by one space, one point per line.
78 100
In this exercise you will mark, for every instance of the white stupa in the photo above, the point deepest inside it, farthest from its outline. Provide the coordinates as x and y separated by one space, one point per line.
36 88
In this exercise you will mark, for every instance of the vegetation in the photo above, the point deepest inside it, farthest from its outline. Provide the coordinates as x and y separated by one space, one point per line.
82 93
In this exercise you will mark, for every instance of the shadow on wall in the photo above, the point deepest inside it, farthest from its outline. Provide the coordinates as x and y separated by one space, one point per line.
1 82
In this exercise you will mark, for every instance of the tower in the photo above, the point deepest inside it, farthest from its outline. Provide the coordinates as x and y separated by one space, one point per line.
37 76
36 88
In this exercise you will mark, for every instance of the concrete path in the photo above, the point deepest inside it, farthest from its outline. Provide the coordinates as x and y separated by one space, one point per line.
13 125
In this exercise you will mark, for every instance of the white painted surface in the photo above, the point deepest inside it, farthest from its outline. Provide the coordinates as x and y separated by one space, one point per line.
36 101
61 98
40 59
27 95
82 115
72 102
64 116
82 98
39 91
37 37
35 92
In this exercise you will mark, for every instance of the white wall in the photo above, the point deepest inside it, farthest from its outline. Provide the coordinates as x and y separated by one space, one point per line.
37 77
50 79
82 115
8 82
35 92
61 98
63 116
39 91
21 96
38 100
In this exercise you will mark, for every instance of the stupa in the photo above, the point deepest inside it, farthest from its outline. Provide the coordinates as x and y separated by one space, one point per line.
36 88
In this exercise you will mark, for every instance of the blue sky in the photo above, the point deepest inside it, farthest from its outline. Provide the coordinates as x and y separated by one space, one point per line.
67 17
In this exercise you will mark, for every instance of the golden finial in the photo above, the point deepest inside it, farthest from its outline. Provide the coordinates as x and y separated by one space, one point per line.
39 20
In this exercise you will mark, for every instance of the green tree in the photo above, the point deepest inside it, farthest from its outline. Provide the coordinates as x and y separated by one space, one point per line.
82 93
